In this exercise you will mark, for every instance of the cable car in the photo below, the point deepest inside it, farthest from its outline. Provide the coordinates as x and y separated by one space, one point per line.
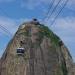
20 51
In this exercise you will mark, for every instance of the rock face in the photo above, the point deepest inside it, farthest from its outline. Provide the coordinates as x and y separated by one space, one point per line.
73 69
44 53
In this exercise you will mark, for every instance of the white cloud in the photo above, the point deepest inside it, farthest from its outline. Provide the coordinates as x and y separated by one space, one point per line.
31 4
9 24
71 4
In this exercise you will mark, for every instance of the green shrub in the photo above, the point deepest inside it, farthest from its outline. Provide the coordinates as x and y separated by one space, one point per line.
45 31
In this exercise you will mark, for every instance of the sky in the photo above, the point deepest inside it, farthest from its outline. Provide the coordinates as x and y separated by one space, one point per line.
14 12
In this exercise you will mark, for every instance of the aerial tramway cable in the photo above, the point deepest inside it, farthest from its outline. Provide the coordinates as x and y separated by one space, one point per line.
5 30
59 12
50 6
54 9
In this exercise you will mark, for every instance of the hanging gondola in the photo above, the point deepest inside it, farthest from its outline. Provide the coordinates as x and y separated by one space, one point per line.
20 51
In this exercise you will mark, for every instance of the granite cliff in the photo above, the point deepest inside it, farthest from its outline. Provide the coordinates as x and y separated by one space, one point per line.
36 50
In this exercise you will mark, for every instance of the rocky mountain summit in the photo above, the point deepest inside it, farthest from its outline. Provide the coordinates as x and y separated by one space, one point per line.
36 50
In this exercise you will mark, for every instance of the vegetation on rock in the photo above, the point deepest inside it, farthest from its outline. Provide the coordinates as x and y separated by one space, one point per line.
45 31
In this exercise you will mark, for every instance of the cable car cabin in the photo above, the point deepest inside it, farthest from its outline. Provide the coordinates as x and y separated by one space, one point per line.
20 51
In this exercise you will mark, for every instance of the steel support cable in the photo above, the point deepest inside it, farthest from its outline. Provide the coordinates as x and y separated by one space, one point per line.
5 30
54 9
59 12
50 6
